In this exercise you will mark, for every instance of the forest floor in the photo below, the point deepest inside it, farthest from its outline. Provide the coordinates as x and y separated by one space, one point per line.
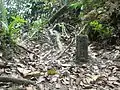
52 69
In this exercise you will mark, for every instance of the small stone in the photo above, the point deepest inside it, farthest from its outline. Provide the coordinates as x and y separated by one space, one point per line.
117 47
66 73
54 79
57 86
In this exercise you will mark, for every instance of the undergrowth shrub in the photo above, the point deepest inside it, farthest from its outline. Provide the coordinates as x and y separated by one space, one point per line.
98 31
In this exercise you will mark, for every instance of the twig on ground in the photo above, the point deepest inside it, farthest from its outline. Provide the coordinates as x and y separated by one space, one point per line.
26 49
60 55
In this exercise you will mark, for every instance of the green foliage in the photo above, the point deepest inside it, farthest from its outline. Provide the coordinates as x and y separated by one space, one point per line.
96 25
13 29
75 5
102 30
3 12
97 19
52 71
37 26
37 12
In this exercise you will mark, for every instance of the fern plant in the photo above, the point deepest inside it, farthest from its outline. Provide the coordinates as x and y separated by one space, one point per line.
12 30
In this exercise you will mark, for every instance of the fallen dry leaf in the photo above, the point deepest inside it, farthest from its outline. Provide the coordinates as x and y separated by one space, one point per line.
34 74
23 71
31 56
31 88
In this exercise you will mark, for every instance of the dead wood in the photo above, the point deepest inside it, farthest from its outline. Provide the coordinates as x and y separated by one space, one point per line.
27 50
60 55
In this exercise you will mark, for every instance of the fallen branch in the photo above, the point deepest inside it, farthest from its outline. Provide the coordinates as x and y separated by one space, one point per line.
4 65
82 29
18 81
60 55
26 49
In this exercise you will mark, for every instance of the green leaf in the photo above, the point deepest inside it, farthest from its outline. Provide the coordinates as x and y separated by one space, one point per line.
52 71
19 19
75 5
5 26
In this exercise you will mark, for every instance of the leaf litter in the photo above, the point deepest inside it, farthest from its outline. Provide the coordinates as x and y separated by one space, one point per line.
52 69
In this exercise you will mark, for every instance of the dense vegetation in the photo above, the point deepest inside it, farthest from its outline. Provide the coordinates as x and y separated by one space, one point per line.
18 17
